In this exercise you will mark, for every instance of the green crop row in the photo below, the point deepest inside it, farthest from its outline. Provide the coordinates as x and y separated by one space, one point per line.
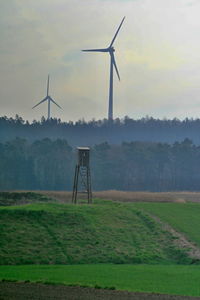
164 279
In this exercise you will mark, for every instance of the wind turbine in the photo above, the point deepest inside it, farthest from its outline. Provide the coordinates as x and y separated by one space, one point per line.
111 51
49 99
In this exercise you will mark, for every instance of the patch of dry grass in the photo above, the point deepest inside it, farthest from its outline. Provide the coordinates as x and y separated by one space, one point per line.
124 196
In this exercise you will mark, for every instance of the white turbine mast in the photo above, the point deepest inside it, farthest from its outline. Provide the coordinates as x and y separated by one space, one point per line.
110 49
49 99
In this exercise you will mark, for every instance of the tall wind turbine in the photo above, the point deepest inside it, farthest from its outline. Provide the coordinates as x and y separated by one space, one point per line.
49 99
111 51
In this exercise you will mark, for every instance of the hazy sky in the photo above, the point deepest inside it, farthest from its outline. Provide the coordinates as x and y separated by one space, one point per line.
157 52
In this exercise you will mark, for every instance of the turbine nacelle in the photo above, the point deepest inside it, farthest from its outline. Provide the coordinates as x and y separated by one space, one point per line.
109 49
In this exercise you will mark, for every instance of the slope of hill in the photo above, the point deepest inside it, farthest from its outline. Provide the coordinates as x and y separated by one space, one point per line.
105 232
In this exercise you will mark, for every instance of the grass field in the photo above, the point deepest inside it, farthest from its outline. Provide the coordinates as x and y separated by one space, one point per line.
177 280
108 244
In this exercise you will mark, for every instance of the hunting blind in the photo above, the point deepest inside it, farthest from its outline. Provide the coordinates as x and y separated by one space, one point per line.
82 172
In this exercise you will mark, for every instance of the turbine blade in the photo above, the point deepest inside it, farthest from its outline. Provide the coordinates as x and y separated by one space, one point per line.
55 102
40 102
116 33
115 65
96 50
48 86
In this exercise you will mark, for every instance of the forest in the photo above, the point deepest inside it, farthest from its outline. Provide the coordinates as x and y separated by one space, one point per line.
82 133
47 164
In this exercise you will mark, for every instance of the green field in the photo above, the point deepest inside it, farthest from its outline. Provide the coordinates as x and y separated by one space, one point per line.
177 280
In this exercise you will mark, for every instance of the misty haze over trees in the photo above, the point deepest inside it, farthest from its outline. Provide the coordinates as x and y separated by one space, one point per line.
49 165
82 133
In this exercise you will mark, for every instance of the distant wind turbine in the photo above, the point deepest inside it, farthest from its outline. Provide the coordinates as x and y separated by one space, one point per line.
49 99
111 51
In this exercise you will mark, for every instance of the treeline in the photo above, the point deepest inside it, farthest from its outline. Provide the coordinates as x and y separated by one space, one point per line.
49 165
95 132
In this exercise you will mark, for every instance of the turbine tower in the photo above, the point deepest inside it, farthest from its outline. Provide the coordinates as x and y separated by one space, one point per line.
111 51
49 99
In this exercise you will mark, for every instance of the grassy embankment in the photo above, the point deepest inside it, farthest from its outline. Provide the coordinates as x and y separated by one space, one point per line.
105 232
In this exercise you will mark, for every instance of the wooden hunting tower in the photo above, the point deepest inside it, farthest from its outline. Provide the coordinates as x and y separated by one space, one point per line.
82 170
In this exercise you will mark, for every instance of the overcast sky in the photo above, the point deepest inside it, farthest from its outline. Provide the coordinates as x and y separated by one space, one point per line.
157 53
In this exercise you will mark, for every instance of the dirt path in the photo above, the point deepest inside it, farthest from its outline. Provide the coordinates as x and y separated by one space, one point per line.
179 239
37 291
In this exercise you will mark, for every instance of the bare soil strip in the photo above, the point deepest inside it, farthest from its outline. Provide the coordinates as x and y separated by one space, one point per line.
35 291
